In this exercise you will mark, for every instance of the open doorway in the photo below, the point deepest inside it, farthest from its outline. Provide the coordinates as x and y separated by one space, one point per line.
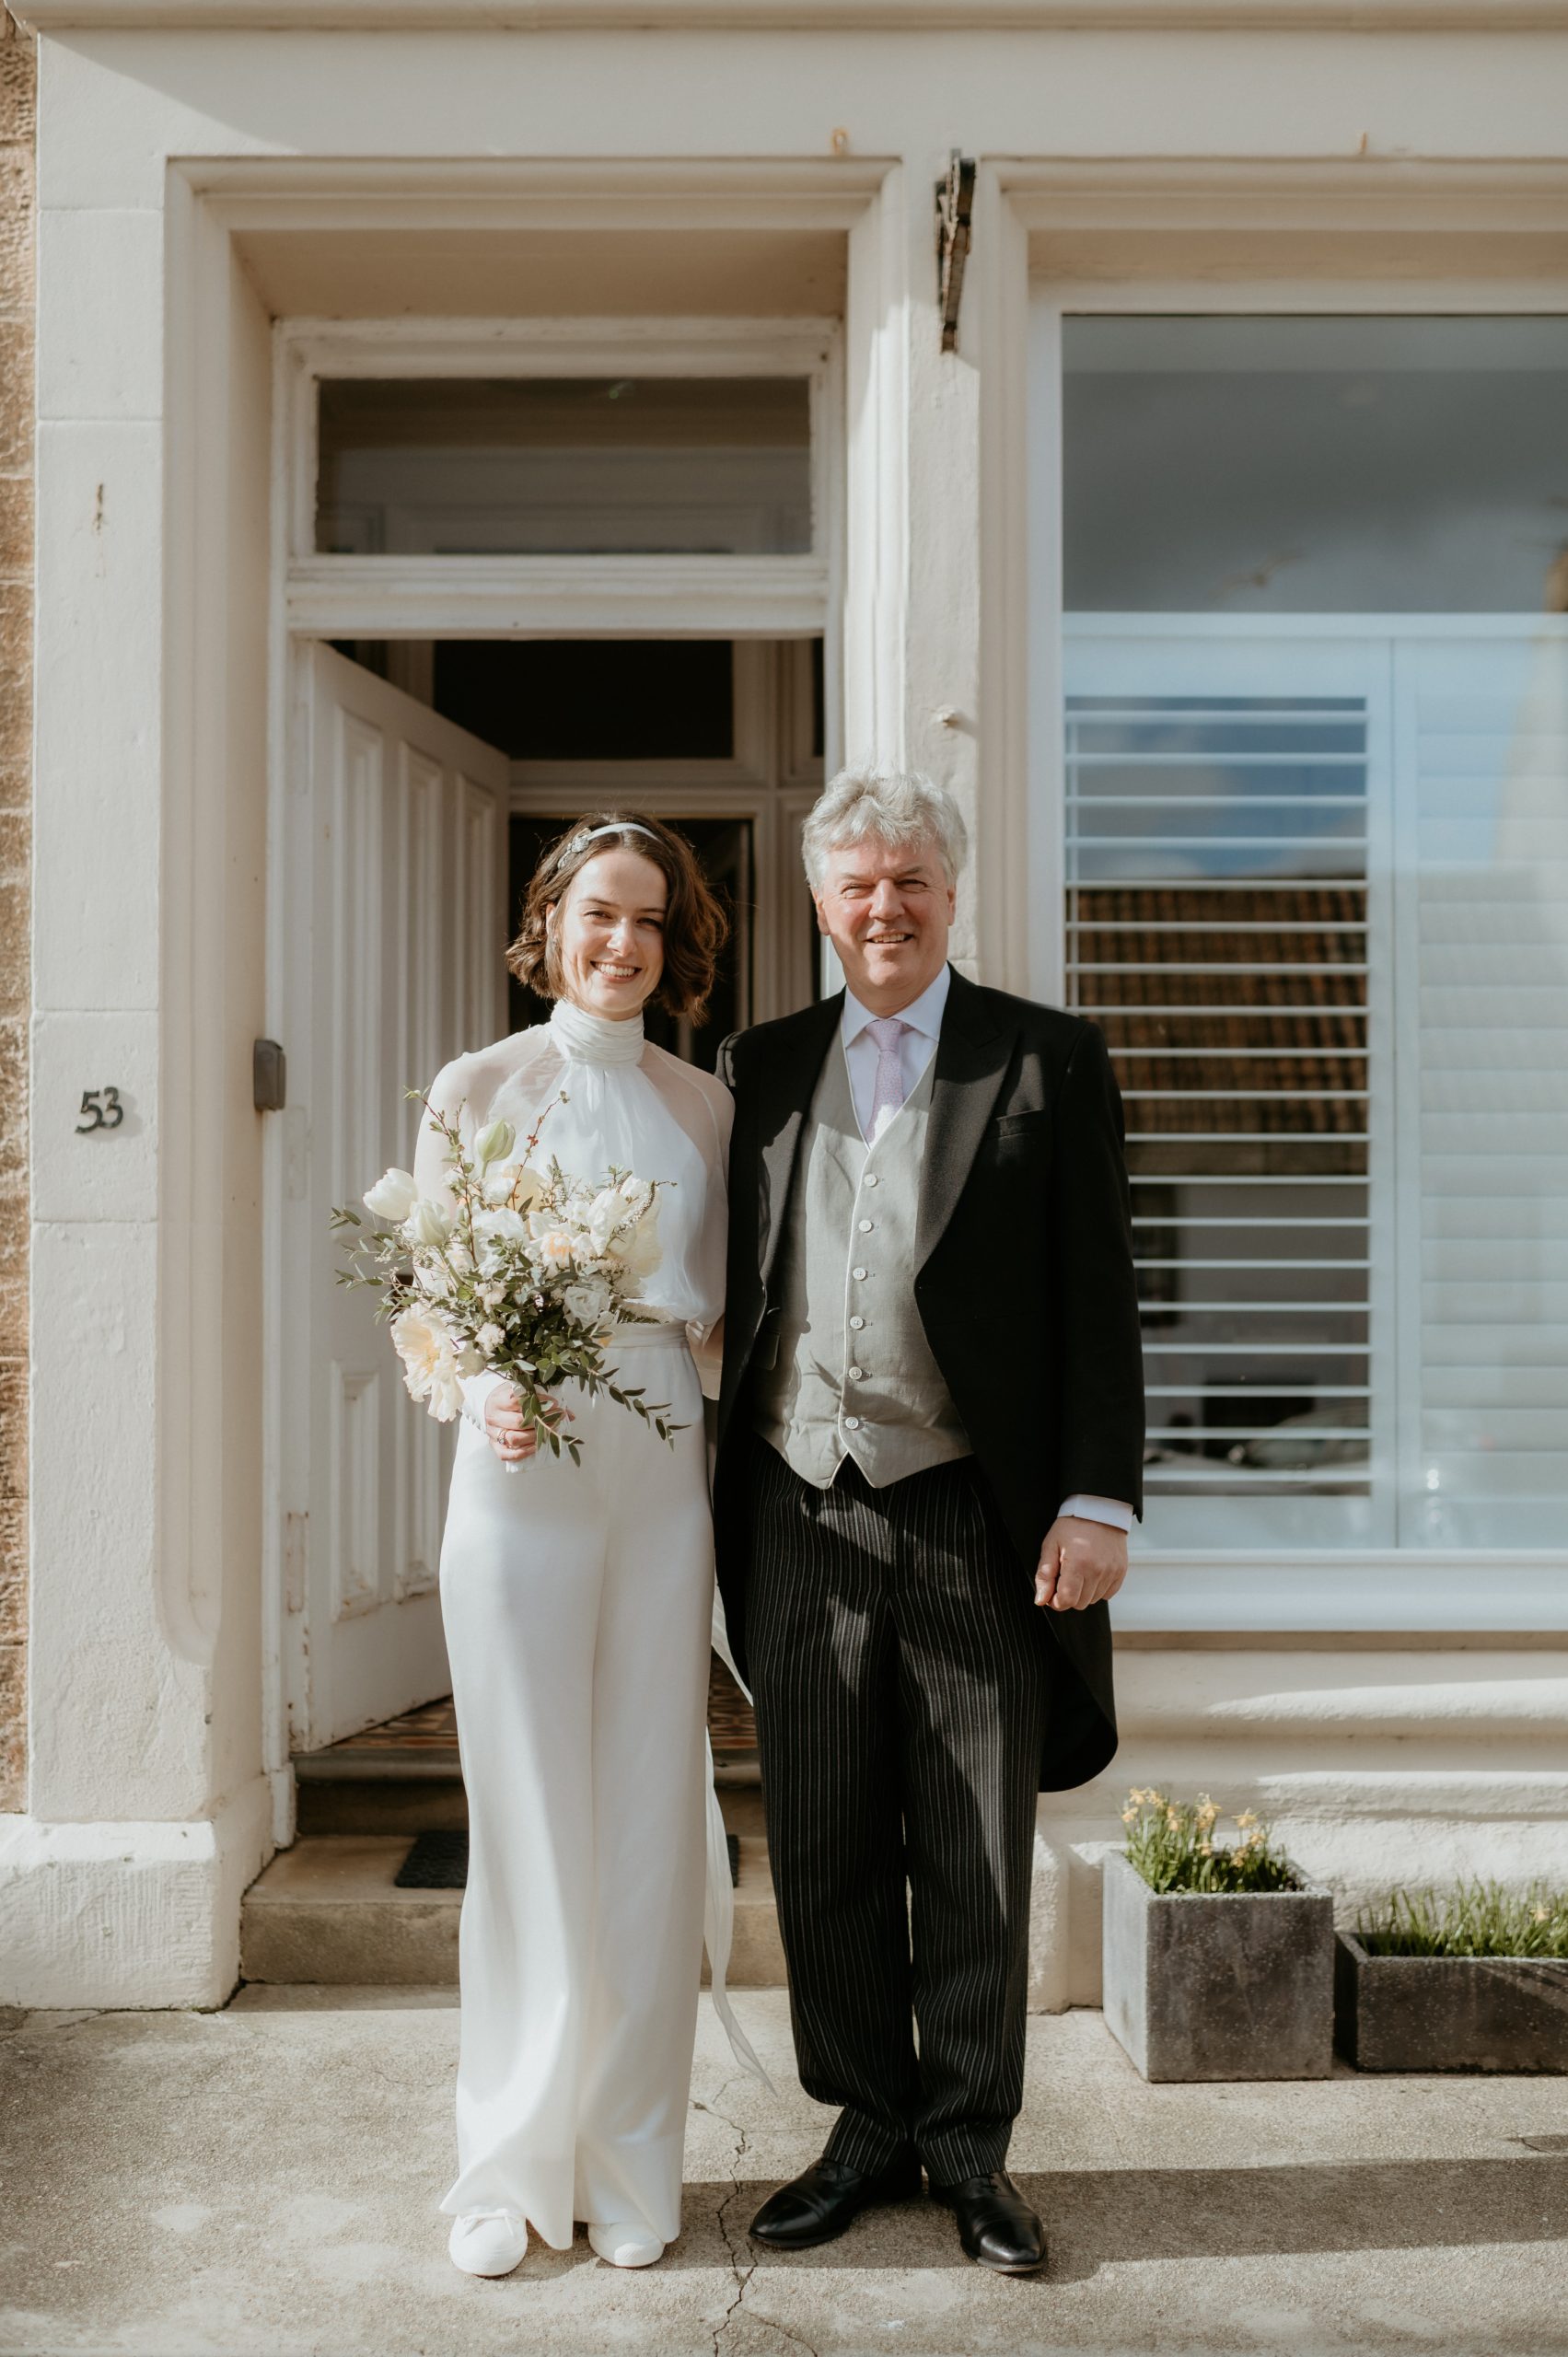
436 770
723 737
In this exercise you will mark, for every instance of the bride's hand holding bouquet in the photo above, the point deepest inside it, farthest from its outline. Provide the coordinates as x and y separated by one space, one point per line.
522 1273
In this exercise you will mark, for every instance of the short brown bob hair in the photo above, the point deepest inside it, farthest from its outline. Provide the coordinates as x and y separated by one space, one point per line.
696 925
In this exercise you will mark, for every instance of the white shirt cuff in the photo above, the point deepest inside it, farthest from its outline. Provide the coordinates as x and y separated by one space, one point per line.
476 1389
1110 1510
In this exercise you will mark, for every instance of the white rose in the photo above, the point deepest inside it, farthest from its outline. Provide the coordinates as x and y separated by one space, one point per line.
430 1365
589 1302
554 1247
393 1197
427 1223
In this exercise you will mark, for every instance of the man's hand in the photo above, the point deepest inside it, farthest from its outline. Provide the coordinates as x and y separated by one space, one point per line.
1081 1562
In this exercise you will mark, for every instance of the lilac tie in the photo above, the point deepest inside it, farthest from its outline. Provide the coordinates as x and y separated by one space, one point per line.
888 1095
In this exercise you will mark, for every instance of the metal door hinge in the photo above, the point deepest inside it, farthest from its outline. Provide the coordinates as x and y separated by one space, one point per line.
269 1076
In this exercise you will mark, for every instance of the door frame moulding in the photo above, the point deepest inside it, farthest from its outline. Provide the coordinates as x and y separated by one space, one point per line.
521 596
213 201
805 16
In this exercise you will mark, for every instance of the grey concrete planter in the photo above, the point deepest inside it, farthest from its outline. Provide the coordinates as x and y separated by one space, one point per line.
1230 1986
1449 2012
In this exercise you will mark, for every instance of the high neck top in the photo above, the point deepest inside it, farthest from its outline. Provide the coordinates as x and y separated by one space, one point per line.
587 1039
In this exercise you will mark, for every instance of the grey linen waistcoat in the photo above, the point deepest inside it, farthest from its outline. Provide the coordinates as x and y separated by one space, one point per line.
854 1374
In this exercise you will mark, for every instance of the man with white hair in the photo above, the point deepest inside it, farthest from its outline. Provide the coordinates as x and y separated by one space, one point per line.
930 1449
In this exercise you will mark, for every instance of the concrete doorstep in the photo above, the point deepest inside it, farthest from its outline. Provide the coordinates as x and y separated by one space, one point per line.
329 1911
263 2182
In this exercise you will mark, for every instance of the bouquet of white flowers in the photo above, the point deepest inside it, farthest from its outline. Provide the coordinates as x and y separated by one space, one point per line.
522 1278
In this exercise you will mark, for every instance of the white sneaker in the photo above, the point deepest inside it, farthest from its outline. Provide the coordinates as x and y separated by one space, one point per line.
489 2242
626 2243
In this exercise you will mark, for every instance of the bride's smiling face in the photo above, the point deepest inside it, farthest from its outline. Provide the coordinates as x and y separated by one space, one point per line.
608 933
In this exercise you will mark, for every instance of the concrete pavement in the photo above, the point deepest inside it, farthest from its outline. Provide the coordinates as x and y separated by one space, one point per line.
264 2181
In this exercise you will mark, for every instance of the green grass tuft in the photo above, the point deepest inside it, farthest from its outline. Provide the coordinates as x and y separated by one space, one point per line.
1173 1846
1469 1919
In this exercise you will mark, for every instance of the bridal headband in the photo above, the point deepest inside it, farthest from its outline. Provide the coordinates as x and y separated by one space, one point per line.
616 826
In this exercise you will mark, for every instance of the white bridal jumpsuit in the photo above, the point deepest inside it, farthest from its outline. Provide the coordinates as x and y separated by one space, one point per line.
578 1606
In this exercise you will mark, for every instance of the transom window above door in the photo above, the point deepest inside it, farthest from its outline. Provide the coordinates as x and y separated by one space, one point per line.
562 477
558 466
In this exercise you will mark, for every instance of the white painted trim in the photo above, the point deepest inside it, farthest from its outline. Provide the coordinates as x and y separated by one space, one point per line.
332 193
586 597
876 558
808 16
996 320
1383 1589
1422 194
1357 628
134 1914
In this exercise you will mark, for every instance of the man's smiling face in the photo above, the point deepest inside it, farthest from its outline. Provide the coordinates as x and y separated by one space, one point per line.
888 909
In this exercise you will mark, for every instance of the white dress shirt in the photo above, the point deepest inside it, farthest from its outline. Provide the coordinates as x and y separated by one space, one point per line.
917 1045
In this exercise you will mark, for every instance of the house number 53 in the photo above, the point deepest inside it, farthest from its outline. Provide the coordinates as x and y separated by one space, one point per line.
101 1109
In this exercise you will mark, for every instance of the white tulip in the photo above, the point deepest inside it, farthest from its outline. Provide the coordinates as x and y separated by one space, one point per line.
494 1144
393 1197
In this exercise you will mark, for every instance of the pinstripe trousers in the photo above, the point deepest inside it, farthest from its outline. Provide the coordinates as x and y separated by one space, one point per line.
897 1668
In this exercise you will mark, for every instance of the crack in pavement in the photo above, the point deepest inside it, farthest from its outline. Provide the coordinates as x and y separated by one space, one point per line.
742 2266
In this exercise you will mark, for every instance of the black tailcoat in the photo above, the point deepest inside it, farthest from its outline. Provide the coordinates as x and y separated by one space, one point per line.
1022 1278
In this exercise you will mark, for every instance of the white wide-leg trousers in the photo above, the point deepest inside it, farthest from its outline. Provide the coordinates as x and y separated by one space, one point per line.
577 1602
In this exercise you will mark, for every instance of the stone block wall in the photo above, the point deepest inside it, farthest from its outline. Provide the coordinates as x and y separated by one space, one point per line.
17 120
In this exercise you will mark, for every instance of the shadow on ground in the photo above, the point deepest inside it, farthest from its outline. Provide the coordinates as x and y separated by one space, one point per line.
1097 2218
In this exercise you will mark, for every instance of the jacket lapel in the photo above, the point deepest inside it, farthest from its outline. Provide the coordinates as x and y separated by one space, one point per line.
796 1063
972 1055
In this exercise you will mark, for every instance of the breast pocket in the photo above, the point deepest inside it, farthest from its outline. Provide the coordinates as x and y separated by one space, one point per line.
1032 1126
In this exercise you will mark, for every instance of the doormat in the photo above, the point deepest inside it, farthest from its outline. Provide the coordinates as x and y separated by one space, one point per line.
435 1861
442 1863
439 1860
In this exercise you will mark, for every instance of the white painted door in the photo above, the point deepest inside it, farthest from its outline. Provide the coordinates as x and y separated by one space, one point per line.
407 893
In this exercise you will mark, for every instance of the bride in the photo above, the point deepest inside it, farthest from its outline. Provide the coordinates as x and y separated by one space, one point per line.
578 1601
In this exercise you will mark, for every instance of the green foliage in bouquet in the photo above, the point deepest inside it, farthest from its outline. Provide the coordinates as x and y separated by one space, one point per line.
1468 1918
523 1273
1173 1846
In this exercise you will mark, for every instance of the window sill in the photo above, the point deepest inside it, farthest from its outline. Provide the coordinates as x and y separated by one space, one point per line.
1512 1594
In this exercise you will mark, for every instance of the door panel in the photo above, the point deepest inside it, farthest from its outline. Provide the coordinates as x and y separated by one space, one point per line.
405 972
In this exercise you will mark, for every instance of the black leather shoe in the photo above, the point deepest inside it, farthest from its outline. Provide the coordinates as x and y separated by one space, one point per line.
823 2201
996 2225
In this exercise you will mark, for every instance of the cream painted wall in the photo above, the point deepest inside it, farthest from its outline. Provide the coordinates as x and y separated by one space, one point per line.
151 1805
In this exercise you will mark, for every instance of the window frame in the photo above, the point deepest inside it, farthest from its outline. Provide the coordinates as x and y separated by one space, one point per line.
1384 1588
396 594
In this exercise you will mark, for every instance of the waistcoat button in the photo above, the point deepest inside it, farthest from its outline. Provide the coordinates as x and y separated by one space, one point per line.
851 1424
858 1323
858 1274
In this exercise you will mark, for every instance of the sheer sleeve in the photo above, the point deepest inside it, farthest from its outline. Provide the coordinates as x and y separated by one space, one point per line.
664 1119
449 1096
